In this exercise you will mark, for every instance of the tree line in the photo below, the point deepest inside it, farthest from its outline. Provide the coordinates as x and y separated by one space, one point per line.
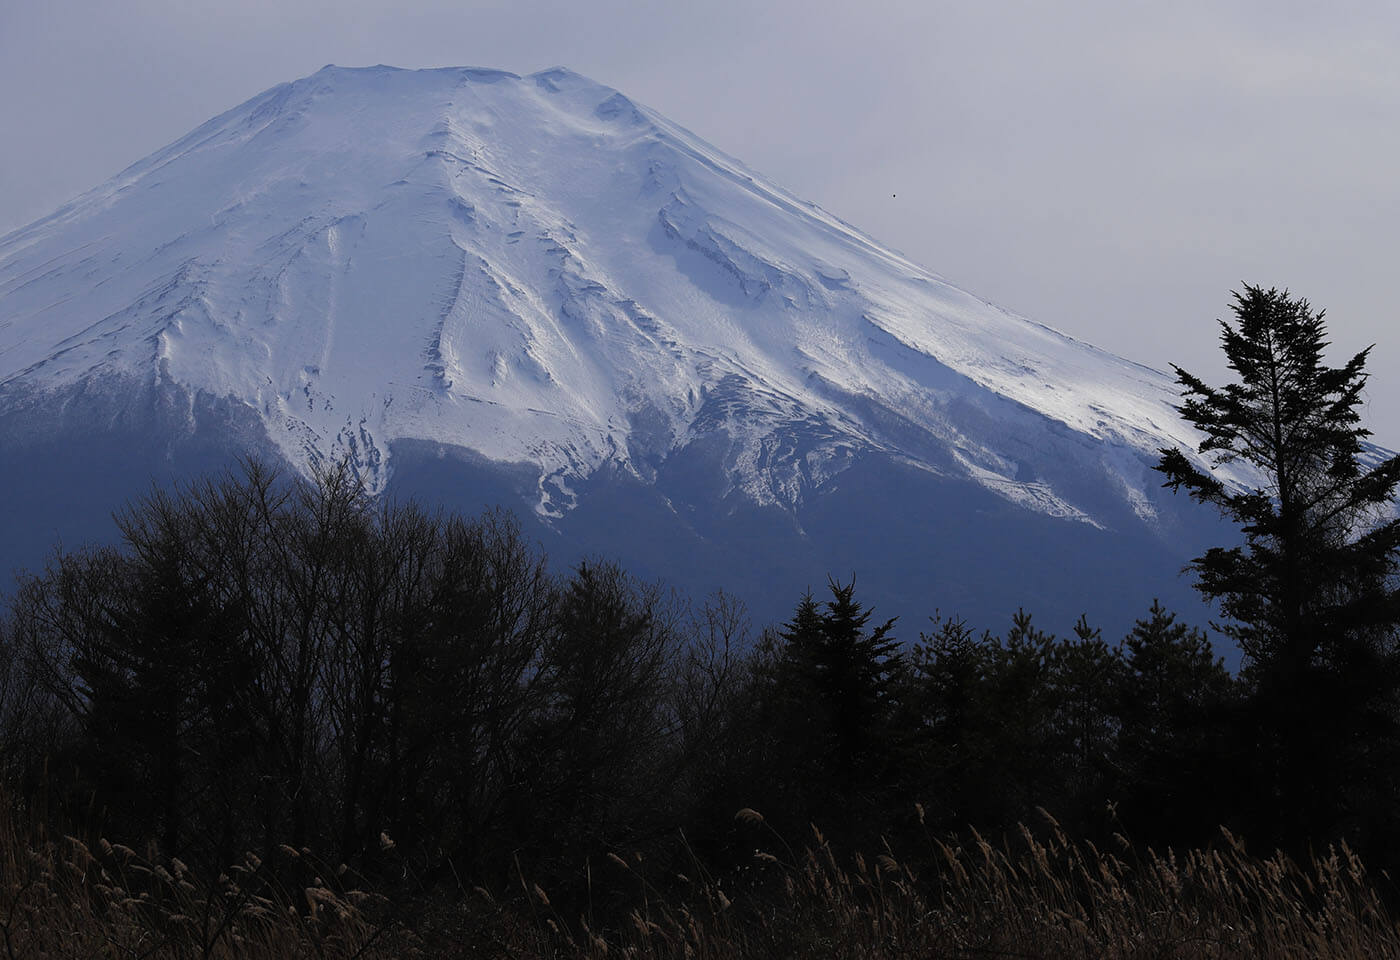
269 661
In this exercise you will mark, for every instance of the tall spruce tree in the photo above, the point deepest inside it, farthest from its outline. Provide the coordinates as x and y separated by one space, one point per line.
1175 708
832 690
1310 594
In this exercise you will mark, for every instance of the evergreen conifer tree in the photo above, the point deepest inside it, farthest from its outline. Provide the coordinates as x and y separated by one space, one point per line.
1174 709
1084 673
833 693
950 669
1310 594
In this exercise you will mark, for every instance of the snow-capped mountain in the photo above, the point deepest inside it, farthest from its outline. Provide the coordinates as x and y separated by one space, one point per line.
535 278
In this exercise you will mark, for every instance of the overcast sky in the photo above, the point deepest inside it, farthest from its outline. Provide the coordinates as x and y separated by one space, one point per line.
1111 168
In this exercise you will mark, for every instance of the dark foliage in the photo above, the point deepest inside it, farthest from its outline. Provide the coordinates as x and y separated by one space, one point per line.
1311 594
271 661
827 698
1177 710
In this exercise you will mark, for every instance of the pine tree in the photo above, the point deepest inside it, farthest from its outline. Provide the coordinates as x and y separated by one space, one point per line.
832 689
857 675
1084 673
1174 708
950 667
1172 674
1310 595
1020 712
606 674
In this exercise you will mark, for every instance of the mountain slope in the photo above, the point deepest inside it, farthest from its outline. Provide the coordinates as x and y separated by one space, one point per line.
558 291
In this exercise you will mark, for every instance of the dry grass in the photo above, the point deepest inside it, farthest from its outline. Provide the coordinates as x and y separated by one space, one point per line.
1036 894
61 899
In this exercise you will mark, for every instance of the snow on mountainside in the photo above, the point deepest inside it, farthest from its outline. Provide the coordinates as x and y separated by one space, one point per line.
544 272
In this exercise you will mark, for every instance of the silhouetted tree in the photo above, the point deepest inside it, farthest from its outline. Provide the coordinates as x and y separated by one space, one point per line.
603 738
1310 595
832 688
949 691
1020 712
1085 674
1177 742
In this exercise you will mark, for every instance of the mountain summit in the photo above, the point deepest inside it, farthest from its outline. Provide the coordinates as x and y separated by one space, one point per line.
477 285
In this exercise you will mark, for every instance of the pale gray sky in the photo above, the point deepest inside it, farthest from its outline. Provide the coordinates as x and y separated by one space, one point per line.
1109 167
